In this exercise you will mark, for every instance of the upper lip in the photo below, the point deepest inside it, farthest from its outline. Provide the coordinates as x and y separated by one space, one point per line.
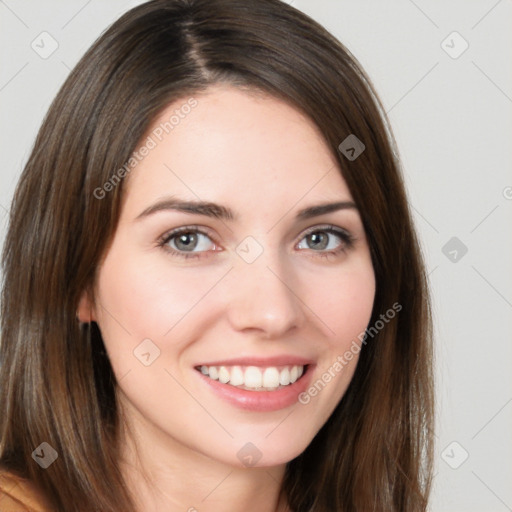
261 361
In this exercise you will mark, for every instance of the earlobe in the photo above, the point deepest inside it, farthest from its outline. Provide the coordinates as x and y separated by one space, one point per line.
85 311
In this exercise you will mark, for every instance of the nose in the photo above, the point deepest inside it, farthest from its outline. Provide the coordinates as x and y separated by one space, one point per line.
264 297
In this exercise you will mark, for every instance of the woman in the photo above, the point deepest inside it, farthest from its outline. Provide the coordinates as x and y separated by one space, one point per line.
214 298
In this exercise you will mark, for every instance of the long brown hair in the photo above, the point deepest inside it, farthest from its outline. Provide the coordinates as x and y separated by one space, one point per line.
56 383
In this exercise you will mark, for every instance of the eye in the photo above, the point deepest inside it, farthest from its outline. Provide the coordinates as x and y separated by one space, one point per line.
184 240
320 238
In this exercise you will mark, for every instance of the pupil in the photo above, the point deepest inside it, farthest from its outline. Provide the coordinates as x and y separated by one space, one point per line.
182 239
317 236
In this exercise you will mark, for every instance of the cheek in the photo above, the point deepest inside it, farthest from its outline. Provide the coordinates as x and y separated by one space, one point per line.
346 305
141 298
346 309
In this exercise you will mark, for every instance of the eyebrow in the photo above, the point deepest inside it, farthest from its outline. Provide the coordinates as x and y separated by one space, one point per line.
218 211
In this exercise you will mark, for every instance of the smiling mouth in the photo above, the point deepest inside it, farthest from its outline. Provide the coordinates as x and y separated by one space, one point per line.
255 378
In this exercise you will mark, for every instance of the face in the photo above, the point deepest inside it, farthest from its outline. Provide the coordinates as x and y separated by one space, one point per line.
229 327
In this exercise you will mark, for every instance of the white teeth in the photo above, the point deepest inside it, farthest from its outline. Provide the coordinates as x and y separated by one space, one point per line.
237 376
223 374
270 378
254 377
284 377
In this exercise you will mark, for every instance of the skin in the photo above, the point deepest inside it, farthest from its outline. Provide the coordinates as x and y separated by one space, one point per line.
266 161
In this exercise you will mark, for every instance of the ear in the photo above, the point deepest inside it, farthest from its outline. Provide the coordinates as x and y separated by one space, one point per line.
85 311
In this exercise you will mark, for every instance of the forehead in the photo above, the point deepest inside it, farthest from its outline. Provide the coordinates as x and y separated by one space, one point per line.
234 147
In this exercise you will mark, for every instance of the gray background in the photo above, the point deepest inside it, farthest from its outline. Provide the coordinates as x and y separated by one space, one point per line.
451 115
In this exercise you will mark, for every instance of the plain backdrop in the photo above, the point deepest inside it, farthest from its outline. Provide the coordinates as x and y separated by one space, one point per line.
443 70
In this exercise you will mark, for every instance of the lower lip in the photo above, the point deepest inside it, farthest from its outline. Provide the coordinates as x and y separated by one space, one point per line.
263 401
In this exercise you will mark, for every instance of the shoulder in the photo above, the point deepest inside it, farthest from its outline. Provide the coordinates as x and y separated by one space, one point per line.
18 495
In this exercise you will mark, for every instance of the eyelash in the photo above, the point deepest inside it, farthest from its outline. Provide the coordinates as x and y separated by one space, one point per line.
346 238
